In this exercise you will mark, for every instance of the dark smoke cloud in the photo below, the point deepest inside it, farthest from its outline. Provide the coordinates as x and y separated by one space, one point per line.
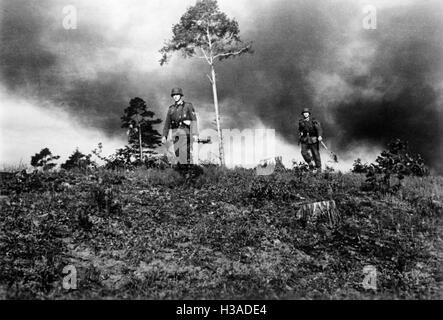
366 86
398 96
24 61
291 38
408 64
38 60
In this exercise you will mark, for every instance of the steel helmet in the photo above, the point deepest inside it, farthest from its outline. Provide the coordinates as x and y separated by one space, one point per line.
175 91
306 110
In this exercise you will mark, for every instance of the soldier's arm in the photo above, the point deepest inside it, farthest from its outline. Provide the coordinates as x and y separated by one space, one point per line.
318 128
193 117
300 128
167 124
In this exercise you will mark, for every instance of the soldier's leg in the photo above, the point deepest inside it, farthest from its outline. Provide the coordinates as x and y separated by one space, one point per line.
315 148
176 140
305 153
183 149
188 148
180 148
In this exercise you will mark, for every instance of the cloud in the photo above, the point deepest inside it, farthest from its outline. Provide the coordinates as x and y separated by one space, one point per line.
27 127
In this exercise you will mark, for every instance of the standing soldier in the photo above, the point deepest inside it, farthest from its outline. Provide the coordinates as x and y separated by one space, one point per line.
181 119
310 137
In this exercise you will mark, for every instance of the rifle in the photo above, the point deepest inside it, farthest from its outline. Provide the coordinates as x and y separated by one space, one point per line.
333 155
204 140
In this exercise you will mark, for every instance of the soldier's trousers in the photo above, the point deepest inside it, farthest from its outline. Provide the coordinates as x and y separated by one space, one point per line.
182 147
311 152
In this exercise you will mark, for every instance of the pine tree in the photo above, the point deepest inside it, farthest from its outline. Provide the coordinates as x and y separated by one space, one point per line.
139 121
44 159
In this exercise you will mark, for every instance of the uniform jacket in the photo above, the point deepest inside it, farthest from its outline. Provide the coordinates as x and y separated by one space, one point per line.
177 113
310 130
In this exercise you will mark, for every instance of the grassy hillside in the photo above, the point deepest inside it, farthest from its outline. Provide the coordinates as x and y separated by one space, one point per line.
225 234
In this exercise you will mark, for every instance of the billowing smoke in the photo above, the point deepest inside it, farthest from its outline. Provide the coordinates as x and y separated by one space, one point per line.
76 70
366 86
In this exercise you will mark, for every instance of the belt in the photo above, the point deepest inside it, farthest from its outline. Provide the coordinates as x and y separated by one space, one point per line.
180 124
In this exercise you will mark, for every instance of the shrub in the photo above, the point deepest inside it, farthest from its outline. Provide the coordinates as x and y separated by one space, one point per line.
157 161
359 167
122 159
78 160
43 160
392 165
398 160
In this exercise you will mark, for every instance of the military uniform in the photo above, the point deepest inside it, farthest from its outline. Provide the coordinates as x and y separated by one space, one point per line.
181 132
310 129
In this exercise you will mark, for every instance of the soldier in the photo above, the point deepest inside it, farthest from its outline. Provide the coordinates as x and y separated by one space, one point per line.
310 137
182 120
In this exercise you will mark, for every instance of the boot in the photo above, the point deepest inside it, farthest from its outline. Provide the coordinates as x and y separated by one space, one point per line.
311 166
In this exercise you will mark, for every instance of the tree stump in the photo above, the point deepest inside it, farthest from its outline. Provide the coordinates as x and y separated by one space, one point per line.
312 212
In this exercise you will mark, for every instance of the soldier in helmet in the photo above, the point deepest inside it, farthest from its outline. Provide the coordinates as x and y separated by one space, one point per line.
182 120
310 131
